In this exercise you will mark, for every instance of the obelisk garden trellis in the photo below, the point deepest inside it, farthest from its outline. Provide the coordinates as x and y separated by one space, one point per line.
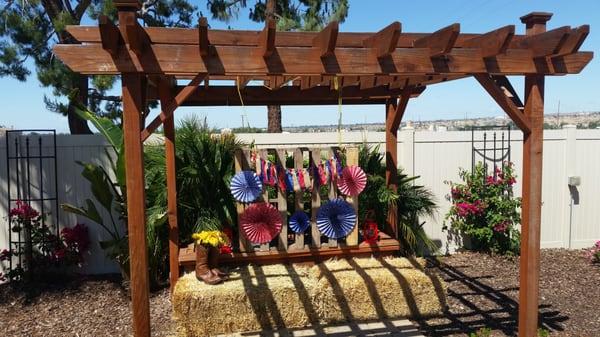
304 68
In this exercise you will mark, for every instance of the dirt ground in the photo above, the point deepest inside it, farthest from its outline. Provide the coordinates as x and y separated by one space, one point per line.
482 292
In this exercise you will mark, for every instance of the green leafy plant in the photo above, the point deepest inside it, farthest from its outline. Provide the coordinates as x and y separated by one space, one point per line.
204 169
542 332
482 332
108 192
411 200
485 210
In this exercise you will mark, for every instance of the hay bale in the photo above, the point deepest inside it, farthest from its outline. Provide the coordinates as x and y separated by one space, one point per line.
334 265
255 298
259 298
364 289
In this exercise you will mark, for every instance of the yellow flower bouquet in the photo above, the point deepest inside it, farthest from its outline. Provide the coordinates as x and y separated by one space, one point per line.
210 238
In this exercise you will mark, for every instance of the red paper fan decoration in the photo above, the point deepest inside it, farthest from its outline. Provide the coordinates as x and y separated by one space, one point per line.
260 222
352 181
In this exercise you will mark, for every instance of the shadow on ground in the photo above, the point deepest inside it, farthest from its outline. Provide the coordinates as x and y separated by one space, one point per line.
474 304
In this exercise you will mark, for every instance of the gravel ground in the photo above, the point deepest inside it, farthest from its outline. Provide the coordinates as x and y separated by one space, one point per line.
482 293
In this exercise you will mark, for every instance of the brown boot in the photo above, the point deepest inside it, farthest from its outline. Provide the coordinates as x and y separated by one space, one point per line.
203 273
213 263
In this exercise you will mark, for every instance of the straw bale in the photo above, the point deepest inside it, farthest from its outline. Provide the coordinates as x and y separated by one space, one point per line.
259 298
255 298
375 289
367 263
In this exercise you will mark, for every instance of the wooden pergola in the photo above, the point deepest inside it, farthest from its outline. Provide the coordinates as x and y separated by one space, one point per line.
302 68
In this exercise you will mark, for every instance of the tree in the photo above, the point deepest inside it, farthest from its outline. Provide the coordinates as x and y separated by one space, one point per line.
303 15
29 29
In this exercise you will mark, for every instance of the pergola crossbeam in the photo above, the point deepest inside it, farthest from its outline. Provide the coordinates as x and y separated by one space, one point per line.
326 39
547 43
266 39
573 41
440 42
111 36
136 37
384 42
203 41
492 43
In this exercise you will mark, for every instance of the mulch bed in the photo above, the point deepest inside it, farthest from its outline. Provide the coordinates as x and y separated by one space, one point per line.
482 292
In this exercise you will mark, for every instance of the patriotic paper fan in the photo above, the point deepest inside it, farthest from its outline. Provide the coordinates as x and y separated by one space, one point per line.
246 186
299 222
352 181
260 222
336 218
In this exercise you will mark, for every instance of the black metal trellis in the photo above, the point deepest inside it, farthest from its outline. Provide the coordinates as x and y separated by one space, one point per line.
26 149
491 150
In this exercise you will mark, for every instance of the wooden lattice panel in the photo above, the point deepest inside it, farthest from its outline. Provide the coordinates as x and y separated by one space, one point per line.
312 238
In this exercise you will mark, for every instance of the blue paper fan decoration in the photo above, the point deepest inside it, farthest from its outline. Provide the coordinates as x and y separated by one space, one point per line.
336 218
246 186
299 222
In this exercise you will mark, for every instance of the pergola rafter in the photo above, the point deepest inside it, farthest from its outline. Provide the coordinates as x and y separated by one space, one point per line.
386 67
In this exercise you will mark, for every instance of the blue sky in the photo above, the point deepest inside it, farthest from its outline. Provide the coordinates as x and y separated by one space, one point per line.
23 105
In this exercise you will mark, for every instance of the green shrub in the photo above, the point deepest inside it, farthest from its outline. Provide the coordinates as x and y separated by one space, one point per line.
485 210
412 202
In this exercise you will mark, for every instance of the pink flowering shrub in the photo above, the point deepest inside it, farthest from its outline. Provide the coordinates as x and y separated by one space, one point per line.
44 249
484 209
593 254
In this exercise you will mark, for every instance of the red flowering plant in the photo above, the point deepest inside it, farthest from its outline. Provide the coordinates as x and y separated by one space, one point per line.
485 210
593 254
42 248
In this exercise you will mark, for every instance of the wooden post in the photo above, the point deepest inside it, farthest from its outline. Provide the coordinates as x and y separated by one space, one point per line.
133 108
394 111
166 96
352 159
532 191
136 202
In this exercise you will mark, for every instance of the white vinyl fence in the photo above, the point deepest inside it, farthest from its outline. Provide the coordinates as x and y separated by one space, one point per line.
570 217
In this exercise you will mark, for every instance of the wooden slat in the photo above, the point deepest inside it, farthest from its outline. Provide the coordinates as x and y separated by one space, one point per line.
504 102
188 36
384 42
315 154
110 34
203 41
298 200
545 44
326 39
440 42
170 108
266 40
352 159
332 194
264 153
240 164
186 60
492 43
282 206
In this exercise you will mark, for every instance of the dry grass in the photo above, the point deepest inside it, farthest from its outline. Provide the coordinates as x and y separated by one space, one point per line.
260 298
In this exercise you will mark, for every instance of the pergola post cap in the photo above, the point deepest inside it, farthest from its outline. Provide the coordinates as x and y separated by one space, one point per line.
128 5
536 18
